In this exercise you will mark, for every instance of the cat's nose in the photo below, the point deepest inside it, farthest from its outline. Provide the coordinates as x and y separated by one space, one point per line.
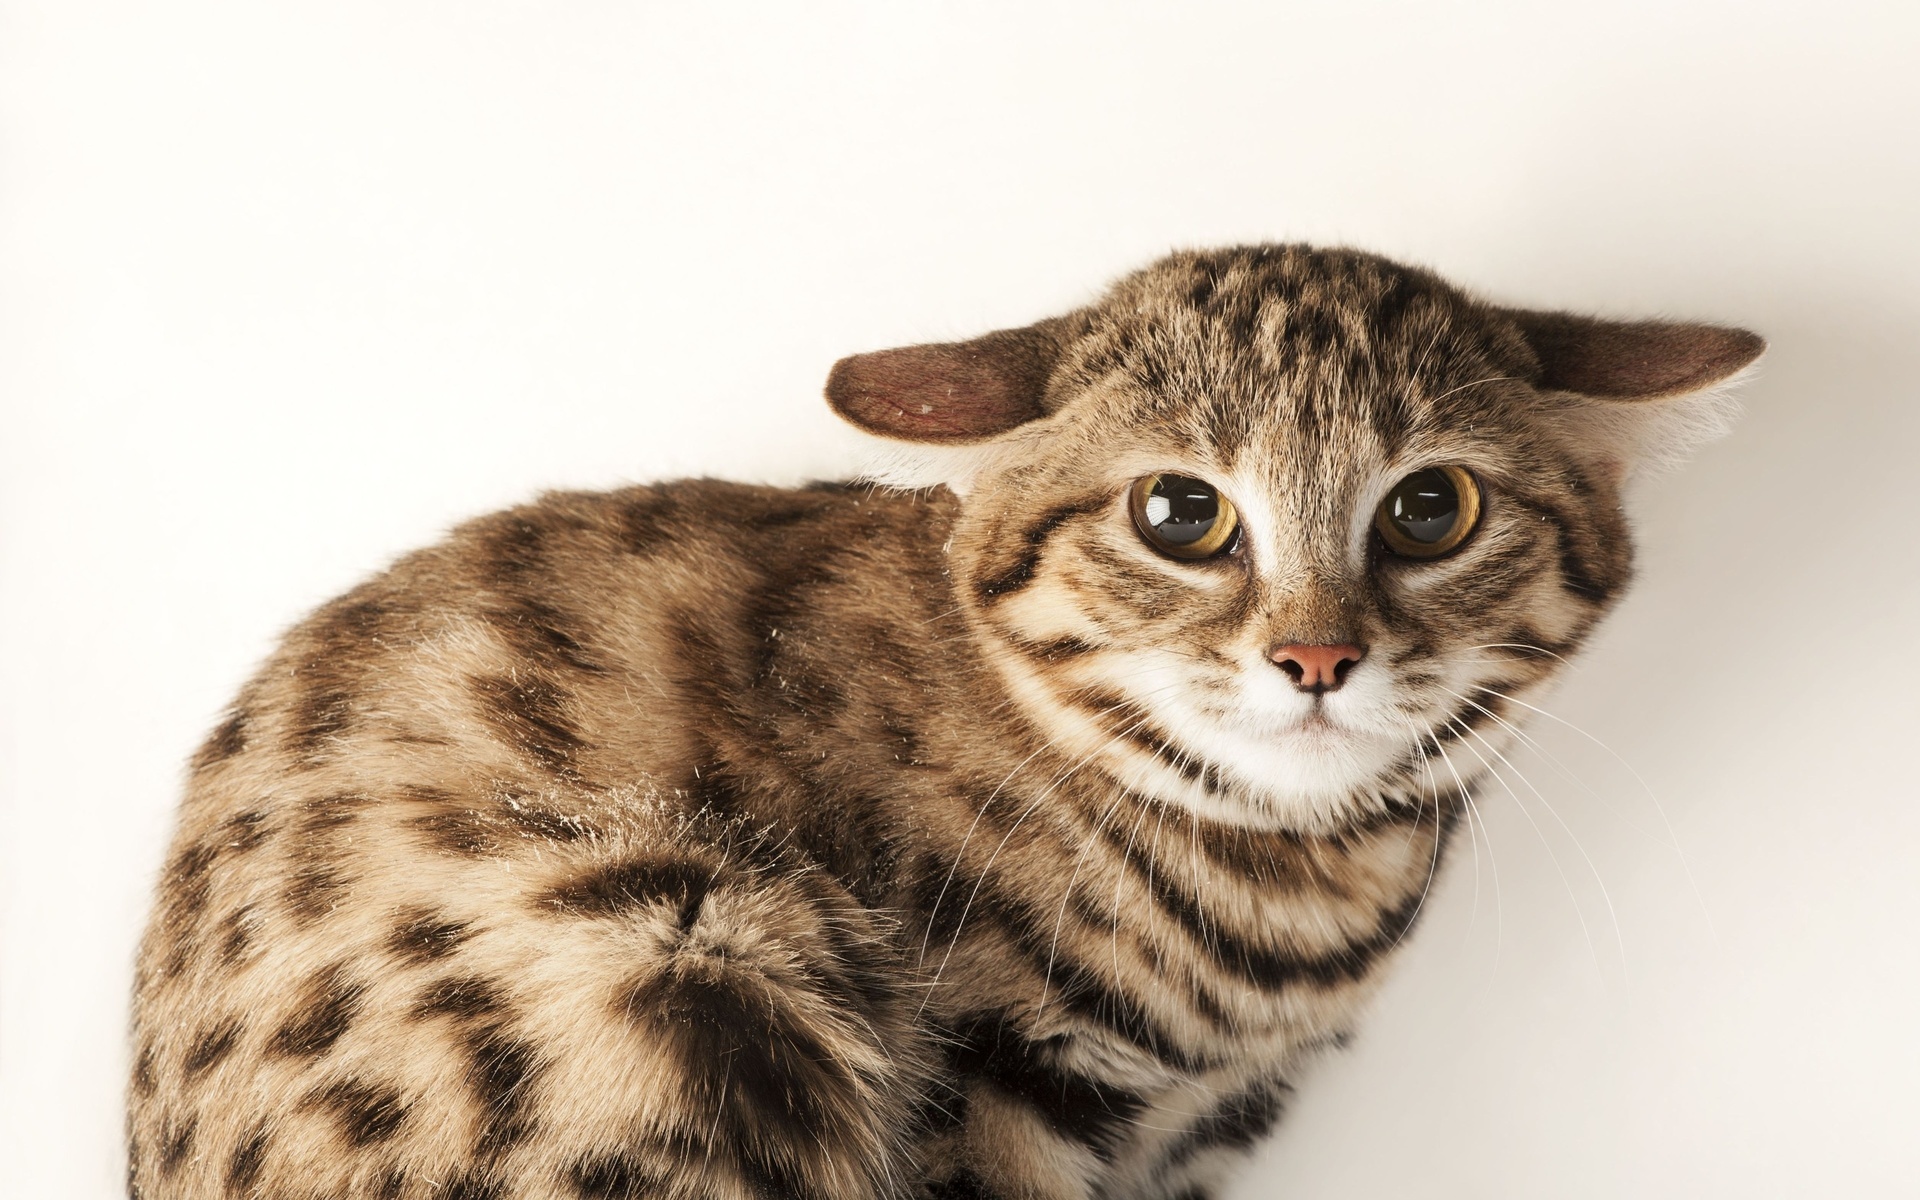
1316 669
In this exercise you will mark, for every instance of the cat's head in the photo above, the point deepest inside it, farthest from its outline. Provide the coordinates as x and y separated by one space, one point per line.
1266 529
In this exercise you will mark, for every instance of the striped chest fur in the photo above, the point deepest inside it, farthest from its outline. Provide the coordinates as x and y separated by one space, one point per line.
1011 837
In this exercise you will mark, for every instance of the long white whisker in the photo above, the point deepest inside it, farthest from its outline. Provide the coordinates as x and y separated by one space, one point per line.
1493 863
960 855
1473 383
1619 939
987 870
1433 782
1579 915
1685 866
1532 743
1066 894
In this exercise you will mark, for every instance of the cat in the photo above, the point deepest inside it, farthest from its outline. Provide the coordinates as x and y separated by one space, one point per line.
1013 834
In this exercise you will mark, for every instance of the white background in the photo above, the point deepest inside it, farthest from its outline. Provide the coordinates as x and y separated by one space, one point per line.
285 289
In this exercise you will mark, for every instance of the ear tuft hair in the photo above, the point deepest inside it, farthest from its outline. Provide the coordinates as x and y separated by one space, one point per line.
1637 397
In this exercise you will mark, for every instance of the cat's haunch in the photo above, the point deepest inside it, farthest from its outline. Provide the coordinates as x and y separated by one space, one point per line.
1013 838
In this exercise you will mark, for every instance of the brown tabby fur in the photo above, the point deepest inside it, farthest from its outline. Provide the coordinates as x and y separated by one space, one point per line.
707 840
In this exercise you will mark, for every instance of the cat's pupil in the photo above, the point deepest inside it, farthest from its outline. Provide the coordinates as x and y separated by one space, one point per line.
1182 509
1425 505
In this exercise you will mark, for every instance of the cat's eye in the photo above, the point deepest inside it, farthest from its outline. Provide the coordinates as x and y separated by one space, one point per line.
1183 517
1429 513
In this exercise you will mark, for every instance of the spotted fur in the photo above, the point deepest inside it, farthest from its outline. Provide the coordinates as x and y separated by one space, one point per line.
707 840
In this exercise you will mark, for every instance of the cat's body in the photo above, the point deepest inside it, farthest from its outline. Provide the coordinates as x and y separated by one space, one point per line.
709 840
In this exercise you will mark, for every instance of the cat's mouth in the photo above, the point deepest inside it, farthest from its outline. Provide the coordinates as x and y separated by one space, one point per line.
1317 723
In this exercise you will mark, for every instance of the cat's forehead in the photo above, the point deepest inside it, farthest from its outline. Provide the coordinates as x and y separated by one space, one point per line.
1291 350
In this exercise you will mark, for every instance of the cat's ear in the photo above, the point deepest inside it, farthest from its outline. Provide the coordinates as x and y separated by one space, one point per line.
948 393
1634 360
1637 393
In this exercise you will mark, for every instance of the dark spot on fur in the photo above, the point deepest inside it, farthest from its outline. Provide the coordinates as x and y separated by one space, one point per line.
313 892
617 1176
717 791
417 738
473 1185
962 1185
144 1079
337 641
515 548
540 822
531 713
227 739
322 814
244 831
942 1109
327 1006
637 883
1576 578
1086 1110
186 885
463 998
501 1072
248 1157
1081 989
188 882
426 936
392 1184
210 1048
367 1114
852 839
904 732
175 1142
236 935
462 831
479 832
1017 574
645 520
1237 1124
322 712
539 632
744 1055
1200 291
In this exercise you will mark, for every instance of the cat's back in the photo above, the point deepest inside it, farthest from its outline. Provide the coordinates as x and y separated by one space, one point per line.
577 641
361 959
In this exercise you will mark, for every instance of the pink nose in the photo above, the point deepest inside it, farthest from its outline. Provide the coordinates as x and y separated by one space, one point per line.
1317 669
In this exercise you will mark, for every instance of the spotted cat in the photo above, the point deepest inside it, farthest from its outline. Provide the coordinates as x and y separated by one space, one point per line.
1010 835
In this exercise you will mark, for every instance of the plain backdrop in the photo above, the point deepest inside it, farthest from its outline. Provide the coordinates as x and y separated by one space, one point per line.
288 288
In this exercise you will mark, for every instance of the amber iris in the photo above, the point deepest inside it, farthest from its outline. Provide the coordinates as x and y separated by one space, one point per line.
1429 513
1183 517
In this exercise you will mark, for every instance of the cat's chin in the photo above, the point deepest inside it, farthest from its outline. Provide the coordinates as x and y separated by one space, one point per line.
1312 772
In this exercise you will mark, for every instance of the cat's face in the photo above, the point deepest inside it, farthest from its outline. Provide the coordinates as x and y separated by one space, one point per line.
1289 533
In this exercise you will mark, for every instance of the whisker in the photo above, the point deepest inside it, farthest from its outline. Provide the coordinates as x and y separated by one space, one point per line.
1517 646
1493 863
1619 939
1433 781
1593 947
1673 837
1474 383
1060 915
987 870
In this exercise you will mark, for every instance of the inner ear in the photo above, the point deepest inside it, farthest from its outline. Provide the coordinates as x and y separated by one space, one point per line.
948 391
1633 360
